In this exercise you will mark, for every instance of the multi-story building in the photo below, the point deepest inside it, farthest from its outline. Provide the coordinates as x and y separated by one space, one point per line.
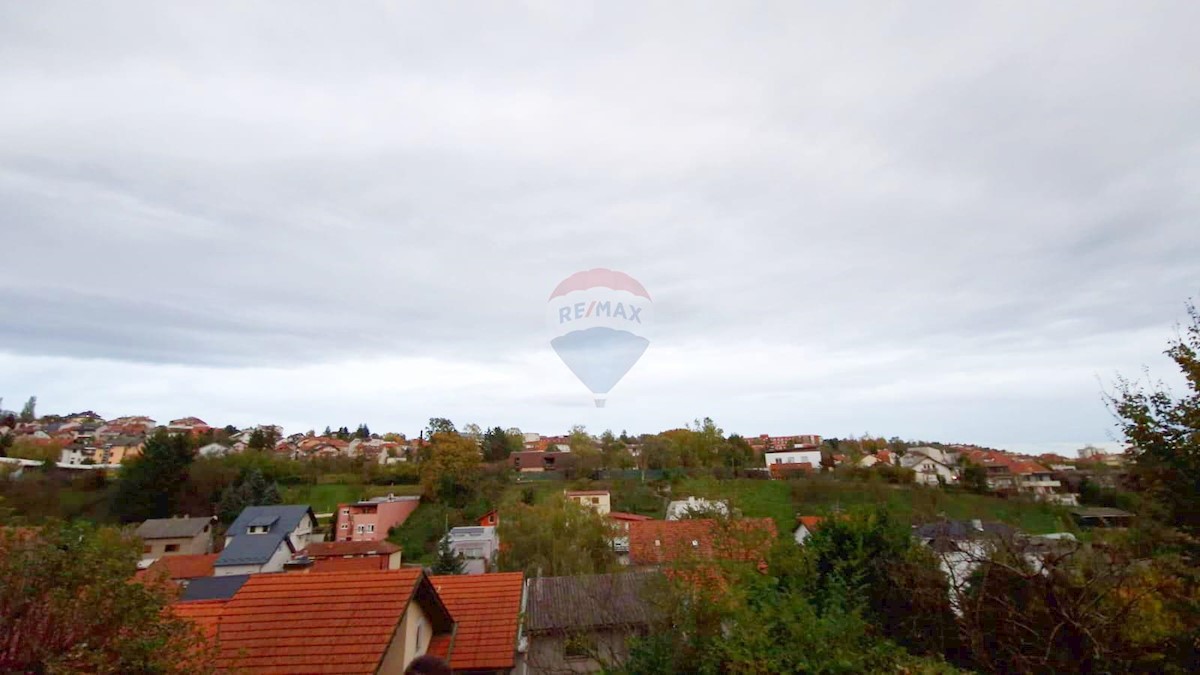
370 519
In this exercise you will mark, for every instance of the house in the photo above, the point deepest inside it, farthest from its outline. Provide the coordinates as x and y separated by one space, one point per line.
583 624
683 508
175 536
212 450
620 540
371 519
654 542
120 449
346 622
329 556
181 568
535 462
486 609
805 526
263 538
929 471
188 425
477 545
490 519
962 545
765 443
781 462
884 457
597 500
1099 516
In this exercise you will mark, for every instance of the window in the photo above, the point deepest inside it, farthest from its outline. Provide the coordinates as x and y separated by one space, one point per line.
147 549
595 500
171 548
345 512
577 647
345 526
658 542
257 529
370 528
419 627
358 529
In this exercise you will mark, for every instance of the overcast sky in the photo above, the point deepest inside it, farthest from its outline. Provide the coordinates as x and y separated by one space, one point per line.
938 221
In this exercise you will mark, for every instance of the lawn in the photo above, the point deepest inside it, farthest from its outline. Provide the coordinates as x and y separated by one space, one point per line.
324 498
784 499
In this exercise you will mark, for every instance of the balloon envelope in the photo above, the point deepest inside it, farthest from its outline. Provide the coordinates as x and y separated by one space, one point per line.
600 356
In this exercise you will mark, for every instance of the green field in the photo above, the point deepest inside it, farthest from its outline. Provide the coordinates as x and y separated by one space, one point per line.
784 500
325 498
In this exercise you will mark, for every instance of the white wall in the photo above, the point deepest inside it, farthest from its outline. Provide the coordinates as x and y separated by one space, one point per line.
793 457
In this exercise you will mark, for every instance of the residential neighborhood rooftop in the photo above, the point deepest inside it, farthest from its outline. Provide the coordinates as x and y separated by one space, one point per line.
486 609
172 528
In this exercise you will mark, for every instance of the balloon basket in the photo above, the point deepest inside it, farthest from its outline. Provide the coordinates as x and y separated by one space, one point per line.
599 403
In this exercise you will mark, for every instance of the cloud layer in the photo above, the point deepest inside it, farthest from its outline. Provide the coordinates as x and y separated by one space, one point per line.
932 221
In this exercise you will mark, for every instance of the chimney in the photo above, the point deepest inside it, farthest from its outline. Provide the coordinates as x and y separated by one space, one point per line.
977 524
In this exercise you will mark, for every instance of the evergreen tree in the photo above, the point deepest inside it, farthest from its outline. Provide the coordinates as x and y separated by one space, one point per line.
152 484
448 562
28 413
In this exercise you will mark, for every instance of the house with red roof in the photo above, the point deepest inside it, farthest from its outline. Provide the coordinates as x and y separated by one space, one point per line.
329 556
363 622
486 609
656 542
345 622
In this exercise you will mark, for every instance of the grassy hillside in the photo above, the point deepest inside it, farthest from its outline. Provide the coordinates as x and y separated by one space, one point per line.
783 500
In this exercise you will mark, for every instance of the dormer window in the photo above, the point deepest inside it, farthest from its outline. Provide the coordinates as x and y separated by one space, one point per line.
257 529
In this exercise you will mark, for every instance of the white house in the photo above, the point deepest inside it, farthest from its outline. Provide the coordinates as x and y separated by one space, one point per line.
810 457
928 470
478 545
264 538
678 510
597 500
212 450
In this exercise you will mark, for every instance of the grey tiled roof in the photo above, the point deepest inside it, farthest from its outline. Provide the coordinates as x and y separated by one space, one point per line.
256 549
172 528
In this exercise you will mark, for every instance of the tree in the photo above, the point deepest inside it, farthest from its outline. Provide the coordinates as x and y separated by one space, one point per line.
450 472
448 562
6 442
363 431
736 453
1164 433
440 425
252 489
328 432
496 445
151 485
556 538
28 412
67 598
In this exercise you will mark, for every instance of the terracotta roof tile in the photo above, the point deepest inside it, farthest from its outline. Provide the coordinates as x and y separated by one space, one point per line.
360 564
621 515
179 567
337 549
486 608
204 613
810 522
657 541
288 623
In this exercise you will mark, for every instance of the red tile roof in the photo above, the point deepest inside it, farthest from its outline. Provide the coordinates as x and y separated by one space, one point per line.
486 608
359 564
338 549
337 622
621 515
587 493
204 613
810 522
658 541
179 567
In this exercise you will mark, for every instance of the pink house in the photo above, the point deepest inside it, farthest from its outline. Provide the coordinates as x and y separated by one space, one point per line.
370 520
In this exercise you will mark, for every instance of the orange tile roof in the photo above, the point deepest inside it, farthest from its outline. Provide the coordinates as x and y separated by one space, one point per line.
360 564
658 541
337 549
486 608
206 614
810 522
586 493
333 622
621 515
178 567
